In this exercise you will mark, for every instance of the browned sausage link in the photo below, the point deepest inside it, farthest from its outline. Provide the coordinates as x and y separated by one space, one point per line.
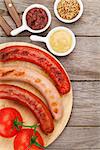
40 58
34 103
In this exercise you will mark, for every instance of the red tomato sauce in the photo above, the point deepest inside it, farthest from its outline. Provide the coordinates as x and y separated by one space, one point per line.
37 18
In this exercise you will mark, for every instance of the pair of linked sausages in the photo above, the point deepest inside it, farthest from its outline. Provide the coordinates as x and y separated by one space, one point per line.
43 84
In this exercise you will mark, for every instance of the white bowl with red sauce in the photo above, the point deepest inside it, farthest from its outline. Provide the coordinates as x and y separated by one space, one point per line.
44 16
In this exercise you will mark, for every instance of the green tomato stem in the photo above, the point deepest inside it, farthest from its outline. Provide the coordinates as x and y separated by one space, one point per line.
17 124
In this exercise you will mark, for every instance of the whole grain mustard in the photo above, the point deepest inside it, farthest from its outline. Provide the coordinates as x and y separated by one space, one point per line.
68 9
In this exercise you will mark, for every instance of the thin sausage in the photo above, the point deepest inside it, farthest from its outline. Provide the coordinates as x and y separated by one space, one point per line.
40 58
36 105
44 85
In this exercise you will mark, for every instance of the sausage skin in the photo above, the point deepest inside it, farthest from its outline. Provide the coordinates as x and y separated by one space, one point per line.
40 58
43 84
30 100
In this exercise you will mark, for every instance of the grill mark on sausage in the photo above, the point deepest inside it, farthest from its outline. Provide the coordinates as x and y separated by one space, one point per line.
3 55
6 73
19 73
25 53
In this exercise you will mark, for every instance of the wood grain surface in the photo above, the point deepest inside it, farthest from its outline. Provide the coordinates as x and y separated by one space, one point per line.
88 25
83 67
82 64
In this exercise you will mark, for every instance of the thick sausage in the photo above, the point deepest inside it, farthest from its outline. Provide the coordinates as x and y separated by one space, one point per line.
36 105
44 85
41 58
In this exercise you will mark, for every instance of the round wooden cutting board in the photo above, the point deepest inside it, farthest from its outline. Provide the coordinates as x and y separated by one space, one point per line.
27 115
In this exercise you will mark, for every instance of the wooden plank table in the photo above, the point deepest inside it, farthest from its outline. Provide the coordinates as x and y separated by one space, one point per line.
83 66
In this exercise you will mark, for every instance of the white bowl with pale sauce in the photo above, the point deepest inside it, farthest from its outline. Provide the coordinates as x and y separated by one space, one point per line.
60 41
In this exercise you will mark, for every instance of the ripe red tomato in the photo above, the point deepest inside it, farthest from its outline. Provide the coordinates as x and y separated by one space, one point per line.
24 140
7 118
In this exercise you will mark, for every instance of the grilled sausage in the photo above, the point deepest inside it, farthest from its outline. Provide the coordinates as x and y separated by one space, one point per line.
44 85
30 100
40 58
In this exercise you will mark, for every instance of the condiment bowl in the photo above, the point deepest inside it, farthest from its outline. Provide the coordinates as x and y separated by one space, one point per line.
65 20
47 41
24 22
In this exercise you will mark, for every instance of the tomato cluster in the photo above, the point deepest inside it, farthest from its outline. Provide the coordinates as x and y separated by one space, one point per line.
11 123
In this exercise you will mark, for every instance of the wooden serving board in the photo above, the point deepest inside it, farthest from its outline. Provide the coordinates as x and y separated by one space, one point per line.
27 115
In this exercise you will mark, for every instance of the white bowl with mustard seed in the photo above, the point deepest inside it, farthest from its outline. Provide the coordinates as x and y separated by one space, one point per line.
68 11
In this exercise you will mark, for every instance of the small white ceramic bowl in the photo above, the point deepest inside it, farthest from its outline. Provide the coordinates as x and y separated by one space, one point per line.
47 40
24 22
65 20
